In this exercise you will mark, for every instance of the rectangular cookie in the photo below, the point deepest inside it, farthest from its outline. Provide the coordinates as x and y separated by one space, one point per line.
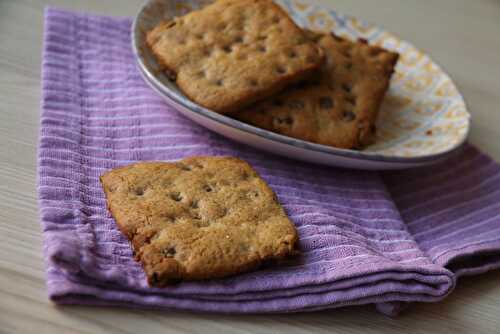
199 218
339 105
233 52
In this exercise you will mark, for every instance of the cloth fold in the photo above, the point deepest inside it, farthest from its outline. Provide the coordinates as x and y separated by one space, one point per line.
365 237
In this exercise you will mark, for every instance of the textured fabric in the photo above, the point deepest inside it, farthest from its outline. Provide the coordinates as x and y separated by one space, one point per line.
365 237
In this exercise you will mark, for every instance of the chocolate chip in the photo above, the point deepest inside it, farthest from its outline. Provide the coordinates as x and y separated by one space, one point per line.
283 120
194 204
171 75
238 39
363 40
169 252
227 48
325 102
253 194
183 167
139 191
295 104
280 70
351 99
292 54
219 82
348 116
176 196
207 188
346 87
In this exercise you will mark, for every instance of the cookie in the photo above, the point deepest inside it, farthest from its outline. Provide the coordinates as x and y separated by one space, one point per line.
199 218
233 53
339 105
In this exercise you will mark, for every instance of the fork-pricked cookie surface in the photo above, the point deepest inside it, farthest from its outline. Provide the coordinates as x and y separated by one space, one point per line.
200 218
339 105
233 52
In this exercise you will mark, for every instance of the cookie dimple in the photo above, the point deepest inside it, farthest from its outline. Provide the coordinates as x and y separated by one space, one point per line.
346 87
176 196
351 99
292 54
262 48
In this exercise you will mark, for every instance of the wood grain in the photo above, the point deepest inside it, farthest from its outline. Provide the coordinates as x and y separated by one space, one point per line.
461 35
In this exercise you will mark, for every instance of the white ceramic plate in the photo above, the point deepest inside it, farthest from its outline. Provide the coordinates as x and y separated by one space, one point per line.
423 118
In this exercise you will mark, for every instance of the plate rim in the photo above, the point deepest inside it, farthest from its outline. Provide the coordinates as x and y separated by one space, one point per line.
212 115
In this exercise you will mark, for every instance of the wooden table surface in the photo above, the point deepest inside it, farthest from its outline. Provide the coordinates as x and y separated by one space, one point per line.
461 35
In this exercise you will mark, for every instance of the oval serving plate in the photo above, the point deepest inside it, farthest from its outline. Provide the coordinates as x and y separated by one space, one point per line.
423 118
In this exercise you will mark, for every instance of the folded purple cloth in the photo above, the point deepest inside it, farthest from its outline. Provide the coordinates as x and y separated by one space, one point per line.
366 237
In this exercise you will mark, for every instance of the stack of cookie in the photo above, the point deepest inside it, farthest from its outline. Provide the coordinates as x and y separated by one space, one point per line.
249 60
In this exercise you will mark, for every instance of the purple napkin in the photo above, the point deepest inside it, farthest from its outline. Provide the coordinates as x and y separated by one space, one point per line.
365 237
